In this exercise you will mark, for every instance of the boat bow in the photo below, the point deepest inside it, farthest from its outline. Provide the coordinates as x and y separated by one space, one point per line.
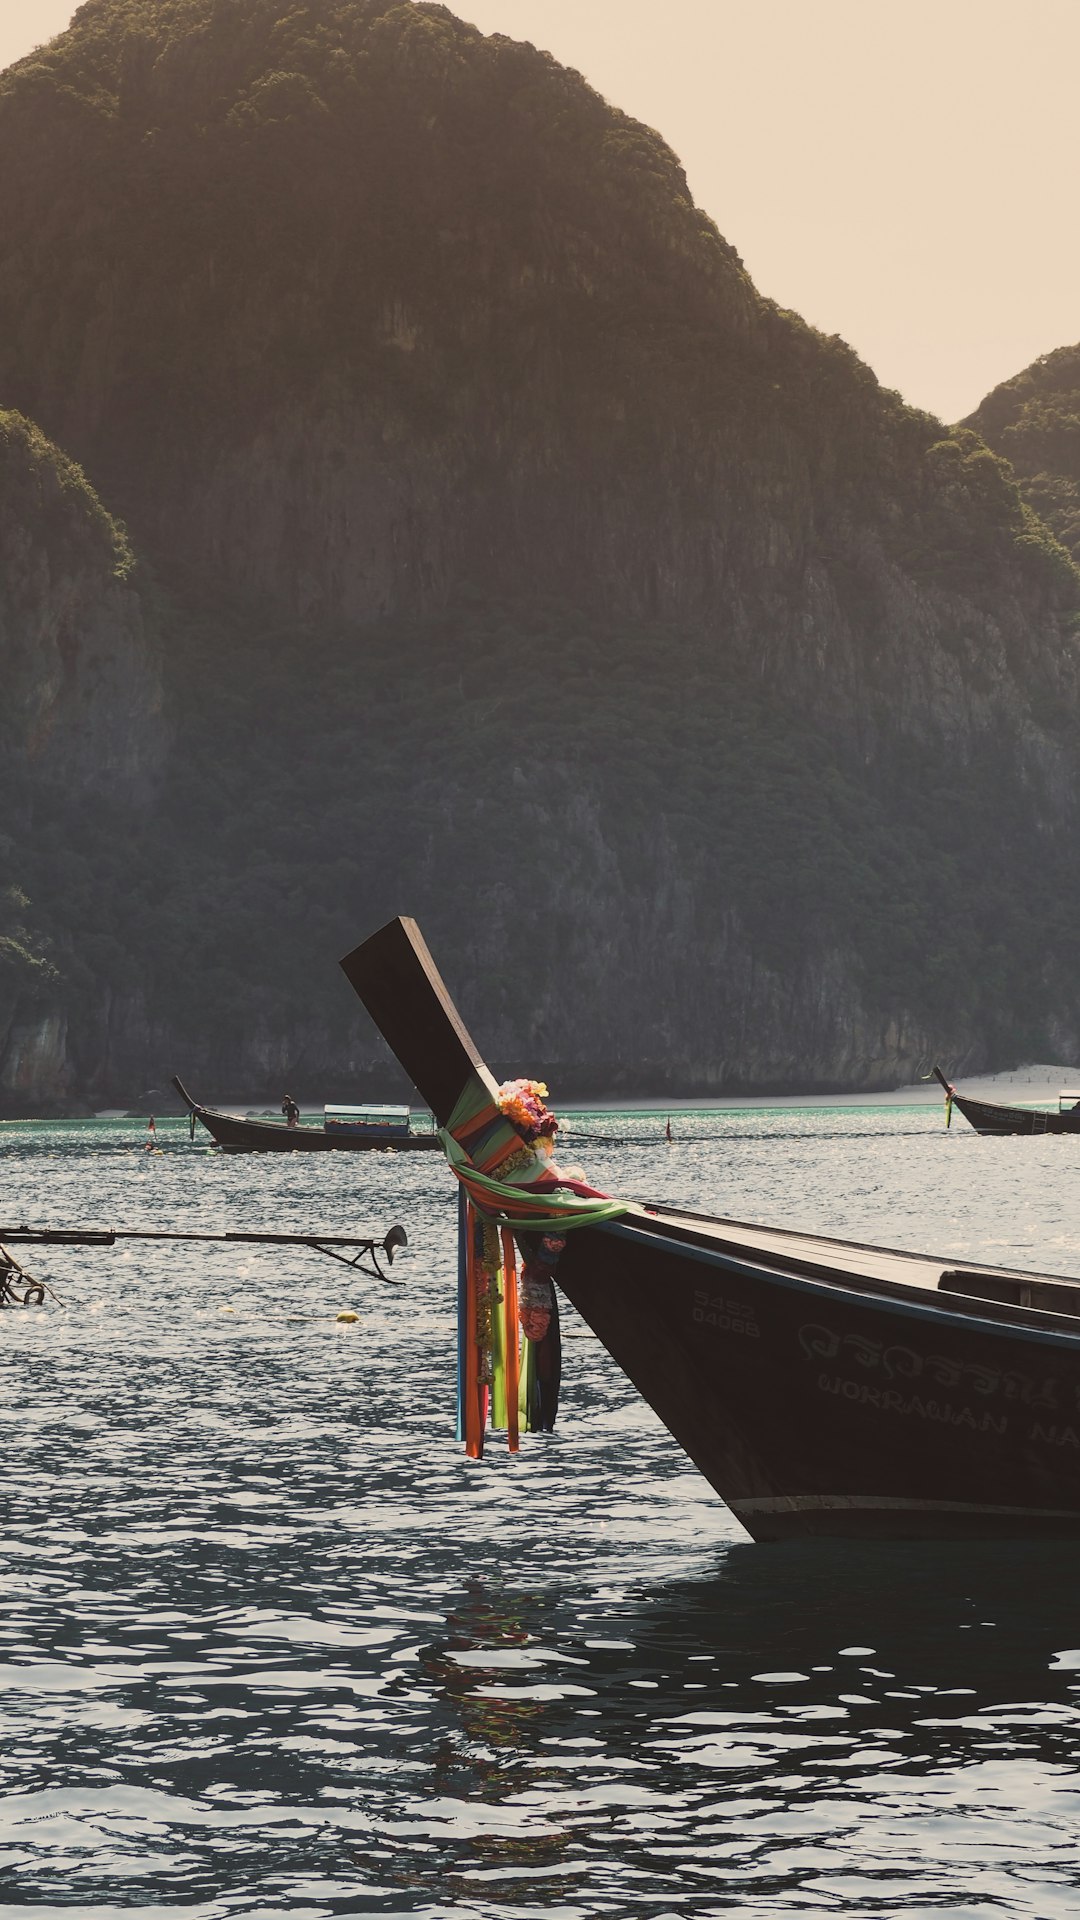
823 1388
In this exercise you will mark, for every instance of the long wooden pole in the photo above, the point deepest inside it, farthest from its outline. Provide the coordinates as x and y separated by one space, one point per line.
106 1237
474 1431
512 1337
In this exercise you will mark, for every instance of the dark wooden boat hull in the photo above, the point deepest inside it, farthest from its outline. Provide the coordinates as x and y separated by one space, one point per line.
986 1117
267 1136
815 1409
822 1388
237 1135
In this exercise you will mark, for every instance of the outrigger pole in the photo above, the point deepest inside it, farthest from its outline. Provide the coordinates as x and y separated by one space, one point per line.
363 1255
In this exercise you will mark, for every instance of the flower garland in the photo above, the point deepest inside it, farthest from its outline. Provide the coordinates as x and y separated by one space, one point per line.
522 1103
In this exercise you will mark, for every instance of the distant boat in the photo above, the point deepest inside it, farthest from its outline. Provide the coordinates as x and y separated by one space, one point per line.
821 1386
343 1129
986 1116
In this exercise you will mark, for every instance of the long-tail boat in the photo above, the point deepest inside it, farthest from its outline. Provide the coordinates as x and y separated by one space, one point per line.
344 1129
986 1116
822 1387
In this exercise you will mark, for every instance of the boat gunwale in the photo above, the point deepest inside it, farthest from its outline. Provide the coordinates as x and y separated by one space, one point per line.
276 1126
946 1261
980 1114
279 1127
1038 1324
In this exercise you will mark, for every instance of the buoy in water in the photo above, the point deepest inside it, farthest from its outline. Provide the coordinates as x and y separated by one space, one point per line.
350 1319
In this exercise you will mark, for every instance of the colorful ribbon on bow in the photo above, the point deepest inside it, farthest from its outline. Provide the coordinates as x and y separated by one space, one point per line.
501 1377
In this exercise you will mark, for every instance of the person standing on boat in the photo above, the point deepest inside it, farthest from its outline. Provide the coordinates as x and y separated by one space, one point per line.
291 1111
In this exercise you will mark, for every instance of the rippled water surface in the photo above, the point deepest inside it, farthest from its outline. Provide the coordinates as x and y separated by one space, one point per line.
271 1646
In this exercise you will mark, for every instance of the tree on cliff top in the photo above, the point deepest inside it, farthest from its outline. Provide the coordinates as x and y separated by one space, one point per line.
1034 421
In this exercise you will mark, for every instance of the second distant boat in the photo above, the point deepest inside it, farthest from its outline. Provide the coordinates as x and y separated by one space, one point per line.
348 1129
987 1117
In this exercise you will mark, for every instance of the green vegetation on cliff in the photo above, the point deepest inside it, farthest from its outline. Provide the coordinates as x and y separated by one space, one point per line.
72 632
1034 421
25 971
51 498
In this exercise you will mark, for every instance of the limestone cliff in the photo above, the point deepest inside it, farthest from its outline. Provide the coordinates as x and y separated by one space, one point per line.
523 569
353 308
81 702
82 690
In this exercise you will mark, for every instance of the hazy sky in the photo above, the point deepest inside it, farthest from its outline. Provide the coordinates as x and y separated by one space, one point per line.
902 172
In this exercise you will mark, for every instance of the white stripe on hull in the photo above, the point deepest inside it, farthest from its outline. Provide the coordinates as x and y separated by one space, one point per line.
841 1502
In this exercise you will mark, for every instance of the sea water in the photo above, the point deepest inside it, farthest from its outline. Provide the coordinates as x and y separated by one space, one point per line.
271 1646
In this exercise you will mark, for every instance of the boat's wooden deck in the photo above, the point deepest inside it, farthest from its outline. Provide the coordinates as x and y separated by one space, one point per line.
886 1265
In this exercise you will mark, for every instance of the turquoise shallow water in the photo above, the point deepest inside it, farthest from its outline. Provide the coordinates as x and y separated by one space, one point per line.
270 1646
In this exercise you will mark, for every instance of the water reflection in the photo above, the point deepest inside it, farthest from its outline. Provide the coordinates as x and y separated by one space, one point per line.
802 1725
